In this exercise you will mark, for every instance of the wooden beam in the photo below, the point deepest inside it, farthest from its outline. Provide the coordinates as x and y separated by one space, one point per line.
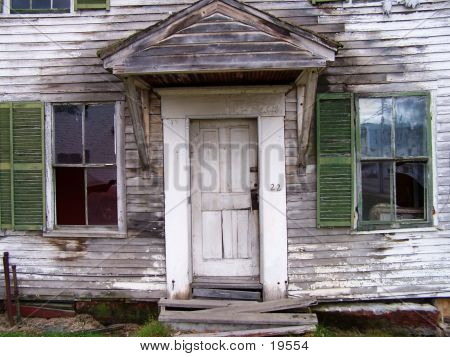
135 104
263 307
275 319
306 96
266 332
146 103
226 294
200 304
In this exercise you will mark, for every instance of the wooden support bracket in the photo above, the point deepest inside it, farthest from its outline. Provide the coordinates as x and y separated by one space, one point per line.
306 96
134 100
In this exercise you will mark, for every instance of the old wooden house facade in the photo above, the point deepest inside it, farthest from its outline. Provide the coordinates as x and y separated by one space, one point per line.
122 128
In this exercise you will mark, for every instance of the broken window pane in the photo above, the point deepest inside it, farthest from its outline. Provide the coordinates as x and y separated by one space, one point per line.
411 126
376 126
102 196
410 190
376 191
68 134
99 134
70 207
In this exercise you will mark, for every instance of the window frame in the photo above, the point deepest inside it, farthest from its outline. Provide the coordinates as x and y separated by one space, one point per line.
39 11
428 199
52 228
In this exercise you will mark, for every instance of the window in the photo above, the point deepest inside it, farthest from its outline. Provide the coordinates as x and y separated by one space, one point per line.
393 160
40 6
376 174
84 165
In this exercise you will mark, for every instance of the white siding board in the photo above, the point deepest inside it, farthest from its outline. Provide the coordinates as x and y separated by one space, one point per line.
53 58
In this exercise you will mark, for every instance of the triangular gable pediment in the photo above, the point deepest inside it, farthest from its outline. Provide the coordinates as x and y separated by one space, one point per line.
218 35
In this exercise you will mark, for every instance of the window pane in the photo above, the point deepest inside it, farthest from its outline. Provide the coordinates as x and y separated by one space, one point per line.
411 126
99 134
376 191
41 4
68 134
375 115
410 187
61 4
20 4
70 208
102 196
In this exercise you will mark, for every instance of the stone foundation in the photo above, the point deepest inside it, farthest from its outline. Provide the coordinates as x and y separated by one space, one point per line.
113 312
408 318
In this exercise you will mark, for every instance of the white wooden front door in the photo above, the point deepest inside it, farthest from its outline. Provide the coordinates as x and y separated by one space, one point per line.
224 189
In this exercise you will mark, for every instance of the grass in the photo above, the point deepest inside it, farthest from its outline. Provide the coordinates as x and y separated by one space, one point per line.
50 334
154 328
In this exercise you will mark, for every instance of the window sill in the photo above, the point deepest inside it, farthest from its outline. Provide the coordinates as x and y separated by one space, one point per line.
397 230
85 233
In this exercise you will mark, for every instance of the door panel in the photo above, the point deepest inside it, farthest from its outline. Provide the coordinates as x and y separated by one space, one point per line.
225 221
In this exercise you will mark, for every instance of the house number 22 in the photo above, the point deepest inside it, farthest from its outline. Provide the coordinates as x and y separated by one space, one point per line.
274 187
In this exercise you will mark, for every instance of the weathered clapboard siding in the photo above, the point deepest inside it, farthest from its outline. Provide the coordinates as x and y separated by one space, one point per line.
63 269
405 52
53 58
145 189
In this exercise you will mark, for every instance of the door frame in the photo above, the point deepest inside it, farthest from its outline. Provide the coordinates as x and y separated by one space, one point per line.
266 104
207 266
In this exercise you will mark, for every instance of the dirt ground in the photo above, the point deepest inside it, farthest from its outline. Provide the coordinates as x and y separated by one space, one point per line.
79 323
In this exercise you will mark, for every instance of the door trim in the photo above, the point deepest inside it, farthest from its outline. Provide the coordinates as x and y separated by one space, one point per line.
178 108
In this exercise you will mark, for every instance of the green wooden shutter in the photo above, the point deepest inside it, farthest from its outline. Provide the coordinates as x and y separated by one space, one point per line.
335 164
5 167
91 4
1 6
28 166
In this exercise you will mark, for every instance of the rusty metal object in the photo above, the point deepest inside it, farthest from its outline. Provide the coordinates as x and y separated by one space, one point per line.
8 303
16 294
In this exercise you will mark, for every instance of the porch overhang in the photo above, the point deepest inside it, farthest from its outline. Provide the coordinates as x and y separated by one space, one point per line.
217 42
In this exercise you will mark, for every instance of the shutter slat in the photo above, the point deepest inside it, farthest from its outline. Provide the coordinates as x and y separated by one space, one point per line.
28 166
5 167
91 4
335 166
